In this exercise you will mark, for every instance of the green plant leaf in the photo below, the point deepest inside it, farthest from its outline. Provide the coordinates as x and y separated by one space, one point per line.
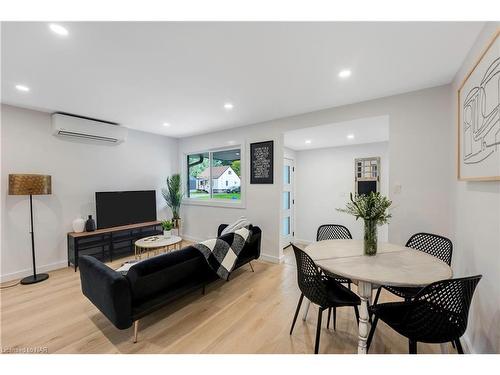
373 206
173 194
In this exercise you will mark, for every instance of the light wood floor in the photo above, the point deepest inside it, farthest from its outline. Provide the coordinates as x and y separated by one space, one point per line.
251 313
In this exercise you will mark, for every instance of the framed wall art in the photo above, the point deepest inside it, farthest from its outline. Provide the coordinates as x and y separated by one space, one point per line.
479 118
262 162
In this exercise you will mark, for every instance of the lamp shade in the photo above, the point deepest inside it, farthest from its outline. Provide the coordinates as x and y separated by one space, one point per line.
30 184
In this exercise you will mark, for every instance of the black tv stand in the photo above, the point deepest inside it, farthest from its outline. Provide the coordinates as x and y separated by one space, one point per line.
109 243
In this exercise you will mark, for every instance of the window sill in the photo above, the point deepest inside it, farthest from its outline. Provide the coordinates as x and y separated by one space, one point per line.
214 203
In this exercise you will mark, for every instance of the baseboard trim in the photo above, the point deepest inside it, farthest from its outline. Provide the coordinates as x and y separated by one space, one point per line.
29 271
271 258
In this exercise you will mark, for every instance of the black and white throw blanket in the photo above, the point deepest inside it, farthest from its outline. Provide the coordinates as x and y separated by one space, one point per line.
221 256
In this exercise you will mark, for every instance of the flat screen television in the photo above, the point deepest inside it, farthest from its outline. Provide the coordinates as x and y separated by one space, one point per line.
114 208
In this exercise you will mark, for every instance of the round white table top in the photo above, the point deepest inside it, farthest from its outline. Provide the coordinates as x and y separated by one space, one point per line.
392 265
157 241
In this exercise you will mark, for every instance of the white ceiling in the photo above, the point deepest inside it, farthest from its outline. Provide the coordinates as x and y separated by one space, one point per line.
365 130
142 74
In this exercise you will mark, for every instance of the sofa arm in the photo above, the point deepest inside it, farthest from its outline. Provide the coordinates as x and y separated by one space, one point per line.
108 290
221 228
255 241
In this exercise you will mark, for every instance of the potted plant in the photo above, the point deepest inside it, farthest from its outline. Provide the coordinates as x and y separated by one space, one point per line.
167 228
373 209
173 194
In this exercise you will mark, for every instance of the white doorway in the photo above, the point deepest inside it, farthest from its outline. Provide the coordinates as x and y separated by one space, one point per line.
288 203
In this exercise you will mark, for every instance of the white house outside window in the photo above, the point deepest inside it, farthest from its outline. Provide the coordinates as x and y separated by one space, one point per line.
214 175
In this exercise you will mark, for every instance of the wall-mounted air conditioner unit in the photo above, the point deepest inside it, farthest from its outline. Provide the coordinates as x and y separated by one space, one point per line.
76 127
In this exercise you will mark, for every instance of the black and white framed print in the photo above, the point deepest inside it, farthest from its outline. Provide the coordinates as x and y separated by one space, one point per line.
262 162
479 118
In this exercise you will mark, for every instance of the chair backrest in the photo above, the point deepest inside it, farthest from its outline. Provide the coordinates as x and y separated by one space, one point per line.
309 278
333 232
440 311
438 246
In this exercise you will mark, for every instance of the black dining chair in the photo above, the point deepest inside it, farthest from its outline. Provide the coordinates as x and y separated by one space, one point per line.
433 244
334 232
437 314
321 290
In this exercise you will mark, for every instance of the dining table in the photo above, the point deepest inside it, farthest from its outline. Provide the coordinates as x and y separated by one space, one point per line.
393 265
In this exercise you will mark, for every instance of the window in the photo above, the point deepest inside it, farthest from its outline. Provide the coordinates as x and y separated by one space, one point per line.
214 175
367 175
286 174
286 226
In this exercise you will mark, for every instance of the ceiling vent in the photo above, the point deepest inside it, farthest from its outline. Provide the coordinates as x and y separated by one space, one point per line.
76 127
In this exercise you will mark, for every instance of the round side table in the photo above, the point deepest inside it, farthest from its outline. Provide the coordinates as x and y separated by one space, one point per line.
155 245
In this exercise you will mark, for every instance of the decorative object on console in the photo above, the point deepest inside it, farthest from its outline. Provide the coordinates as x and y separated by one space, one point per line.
478 123
31 184
262 162
90 224
173 194
373 209
167 228
78 225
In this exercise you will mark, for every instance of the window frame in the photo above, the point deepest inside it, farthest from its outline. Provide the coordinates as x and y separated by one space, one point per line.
214 202
373 160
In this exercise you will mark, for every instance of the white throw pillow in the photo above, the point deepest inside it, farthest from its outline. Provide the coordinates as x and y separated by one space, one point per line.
238 224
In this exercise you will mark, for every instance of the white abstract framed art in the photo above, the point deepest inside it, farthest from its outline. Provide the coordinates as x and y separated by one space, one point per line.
479 118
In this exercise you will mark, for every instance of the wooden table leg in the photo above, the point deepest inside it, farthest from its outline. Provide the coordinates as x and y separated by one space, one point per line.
365 293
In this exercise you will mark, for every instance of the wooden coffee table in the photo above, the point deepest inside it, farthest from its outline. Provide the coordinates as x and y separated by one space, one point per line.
156 245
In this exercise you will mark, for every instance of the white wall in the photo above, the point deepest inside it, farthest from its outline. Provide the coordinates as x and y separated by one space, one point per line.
288 153
78 170
476 228
420 150
323 180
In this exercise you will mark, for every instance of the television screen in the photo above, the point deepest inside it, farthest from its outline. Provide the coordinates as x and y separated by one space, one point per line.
116 208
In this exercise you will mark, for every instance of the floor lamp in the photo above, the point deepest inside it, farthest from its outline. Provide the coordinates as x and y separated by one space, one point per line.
31 184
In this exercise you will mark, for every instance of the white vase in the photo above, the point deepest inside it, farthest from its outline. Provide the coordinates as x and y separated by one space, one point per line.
167 233
78 225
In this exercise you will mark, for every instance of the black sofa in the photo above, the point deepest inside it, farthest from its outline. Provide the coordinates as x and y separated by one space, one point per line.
152 283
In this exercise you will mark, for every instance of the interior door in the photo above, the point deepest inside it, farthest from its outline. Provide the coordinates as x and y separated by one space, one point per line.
287 203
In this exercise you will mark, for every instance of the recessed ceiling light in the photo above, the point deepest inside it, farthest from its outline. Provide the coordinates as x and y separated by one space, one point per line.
344 73
22 88
350 136
228 106
58 29
166 124
308 141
